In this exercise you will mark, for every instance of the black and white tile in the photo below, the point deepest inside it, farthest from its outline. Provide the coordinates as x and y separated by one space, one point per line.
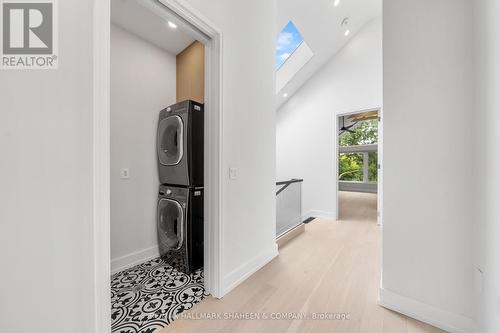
149 296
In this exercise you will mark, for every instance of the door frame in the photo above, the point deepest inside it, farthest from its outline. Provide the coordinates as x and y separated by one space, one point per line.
205 31
379 158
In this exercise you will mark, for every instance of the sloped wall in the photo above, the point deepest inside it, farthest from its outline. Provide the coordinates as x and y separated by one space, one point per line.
305 127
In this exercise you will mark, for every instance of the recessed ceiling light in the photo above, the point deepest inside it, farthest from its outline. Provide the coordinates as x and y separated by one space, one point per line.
285 95
347 32
336 3
172 25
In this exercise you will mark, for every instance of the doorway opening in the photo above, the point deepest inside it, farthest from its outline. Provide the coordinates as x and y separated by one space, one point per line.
359 165
149 56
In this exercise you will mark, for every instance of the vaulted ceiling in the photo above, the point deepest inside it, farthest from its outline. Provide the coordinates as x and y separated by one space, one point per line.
320 23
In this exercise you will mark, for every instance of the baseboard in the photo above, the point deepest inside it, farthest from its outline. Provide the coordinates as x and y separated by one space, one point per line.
320 214
448 321
135 258
244 271
290 234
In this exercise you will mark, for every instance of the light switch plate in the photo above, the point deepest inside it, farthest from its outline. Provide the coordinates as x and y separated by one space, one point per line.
124 173
233 173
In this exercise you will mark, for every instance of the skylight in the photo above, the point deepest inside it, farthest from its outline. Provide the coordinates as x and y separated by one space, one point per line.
289 39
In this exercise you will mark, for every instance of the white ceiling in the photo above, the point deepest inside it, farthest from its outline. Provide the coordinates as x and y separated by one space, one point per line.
319 22
137 19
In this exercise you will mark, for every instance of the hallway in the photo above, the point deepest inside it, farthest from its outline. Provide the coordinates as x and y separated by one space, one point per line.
356 206
334 267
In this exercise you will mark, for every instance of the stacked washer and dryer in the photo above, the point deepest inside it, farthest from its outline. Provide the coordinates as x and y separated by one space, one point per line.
180 202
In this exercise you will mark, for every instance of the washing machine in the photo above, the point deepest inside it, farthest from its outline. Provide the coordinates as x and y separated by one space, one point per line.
180 144
180 226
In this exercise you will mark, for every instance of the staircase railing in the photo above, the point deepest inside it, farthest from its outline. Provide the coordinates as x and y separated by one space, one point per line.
288 205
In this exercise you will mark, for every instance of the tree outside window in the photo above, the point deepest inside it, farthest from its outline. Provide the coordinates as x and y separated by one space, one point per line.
351 165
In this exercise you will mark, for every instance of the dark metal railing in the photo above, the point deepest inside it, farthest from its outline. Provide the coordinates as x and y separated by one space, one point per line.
287 183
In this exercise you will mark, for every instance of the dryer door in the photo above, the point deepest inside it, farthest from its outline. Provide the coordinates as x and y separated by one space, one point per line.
170 140
170 224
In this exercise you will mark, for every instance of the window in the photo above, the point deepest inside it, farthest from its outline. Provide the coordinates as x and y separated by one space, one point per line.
292 54
289 39
363 133
351 167
373 167
358 138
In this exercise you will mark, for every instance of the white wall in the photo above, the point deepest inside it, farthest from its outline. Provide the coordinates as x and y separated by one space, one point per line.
486 223
248 132
46 284
305 134
427 250
142 83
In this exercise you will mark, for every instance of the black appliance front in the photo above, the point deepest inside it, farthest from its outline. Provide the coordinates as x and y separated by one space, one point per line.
180 226
180 144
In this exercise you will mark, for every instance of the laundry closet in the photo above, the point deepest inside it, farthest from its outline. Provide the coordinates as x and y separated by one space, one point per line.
157 164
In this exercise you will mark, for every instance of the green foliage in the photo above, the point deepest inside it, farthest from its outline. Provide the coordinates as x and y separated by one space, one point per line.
372 167
351 165
365 133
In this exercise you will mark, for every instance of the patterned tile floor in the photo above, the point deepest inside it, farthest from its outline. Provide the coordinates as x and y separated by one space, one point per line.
149 296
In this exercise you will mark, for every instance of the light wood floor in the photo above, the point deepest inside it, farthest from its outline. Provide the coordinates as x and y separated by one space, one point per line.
333 267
